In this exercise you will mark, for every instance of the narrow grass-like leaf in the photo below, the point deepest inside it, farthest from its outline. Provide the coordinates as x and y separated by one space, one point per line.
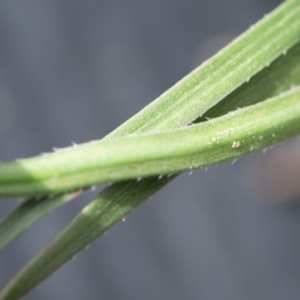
191 97
106 210
180 105
28 213
279 77
282 75
212 142
179 150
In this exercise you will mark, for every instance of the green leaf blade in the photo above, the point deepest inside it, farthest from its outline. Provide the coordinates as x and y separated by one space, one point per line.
179 106
239 133
104 206
28 213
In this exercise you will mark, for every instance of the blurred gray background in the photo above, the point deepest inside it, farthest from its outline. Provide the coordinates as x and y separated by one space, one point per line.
72 71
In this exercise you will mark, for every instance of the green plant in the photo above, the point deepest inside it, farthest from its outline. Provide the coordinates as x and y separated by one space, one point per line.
213 90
